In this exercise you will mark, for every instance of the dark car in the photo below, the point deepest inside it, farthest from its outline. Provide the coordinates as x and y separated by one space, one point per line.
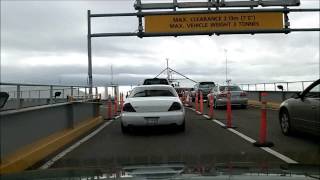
302 111
153 81
203 87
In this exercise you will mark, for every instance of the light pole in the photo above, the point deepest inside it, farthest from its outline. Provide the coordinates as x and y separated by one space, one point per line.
89 54
227 80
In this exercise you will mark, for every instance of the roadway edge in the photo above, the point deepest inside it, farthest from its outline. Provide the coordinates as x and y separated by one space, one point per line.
33 153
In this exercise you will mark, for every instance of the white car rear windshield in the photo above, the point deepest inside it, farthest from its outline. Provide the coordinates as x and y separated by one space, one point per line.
152 93
155 81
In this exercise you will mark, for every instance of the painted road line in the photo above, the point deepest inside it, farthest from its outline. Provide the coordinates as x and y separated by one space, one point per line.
75 145
198 112
280 156
242 135
267 149
117 117
206 116
218 122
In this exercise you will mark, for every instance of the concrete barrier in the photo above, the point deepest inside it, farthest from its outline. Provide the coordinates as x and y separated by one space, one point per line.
30 134
273 98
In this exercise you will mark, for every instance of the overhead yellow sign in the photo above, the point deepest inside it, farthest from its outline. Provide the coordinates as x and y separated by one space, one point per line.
214 22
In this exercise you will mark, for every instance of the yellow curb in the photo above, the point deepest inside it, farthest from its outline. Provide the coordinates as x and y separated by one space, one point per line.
272 105
33 153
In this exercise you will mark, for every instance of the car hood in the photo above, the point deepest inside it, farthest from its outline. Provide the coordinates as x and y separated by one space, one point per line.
176 171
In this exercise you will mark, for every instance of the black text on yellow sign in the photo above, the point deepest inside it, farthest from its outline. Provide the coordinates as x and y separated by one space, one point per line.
214 22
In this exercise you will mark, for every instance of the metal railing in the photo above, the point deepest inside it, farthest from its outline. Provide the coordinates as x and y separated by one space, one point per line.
41 94
287 86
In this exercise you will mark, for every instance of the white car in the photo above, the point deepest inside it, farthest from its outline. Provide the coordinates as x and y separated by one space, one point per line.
153 105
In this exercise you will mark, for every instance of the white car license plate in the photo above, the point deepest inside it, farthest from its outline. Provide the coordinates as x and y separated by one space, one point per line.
151 121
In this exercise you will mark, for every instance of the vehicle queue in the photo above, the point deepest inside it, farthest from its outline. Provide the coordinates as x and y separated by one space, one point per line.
157 103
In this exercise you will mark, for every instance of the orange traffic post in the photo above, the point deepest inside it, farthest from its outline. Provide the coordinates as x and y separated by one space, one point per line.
229 111
115 105
263 124
211 113
201 102
109 108
196 102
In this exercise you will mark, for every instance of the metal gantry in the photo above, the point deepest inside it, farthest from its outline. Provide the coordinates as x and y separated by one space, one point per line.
212 6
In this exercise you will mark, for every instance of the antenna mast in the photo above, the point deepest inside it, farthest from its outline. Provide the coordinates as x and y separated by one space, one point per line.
111 74
168 73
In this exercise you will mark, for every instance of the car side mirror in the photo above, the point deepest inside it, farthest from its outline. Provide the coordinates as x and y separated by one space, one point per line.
280 87
3 98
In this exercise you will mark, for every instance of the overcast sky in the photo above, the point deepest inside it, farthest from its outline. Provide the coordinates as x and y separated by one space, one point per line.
45 42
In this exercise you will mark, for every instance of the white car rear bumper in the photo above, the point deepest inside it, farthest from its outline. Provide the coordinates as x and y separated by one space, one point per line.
152 118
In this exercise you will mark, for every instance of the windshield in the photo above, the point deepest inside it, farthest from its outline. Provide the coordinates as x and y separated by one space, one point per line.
135 87
206 85
152 93
155 81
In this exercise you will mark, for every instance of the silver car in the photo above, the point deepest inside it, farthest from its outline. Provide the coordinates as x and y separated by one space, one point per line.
219 93
302 111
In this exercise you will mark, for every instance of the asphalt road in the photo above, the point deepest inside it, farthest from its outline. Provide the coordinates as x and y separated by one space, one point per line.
301 147
203 143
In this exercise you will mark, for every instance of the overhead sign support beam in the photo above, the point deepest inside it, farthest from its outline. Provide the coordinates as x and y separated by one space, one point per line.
217 20
214 4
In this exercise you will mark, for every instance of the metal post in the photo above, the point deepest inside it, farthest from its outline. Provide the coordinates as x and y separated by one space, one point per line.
248 87
96 92
264 86
39 94
89 54
85 93
71 93
255 87
287 86
51 94
18 97
62 93
275 87
140 26
302 86
78 92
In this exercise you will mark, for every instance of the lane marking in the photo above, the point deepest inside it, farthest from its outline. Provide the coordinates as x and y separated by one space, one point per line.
206 116
75 145
242 135
280 156
218 122
267 149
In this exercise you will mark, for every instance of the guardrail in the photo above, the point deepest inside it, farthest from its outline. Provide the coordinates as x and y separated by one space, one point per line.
28 95
287 86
